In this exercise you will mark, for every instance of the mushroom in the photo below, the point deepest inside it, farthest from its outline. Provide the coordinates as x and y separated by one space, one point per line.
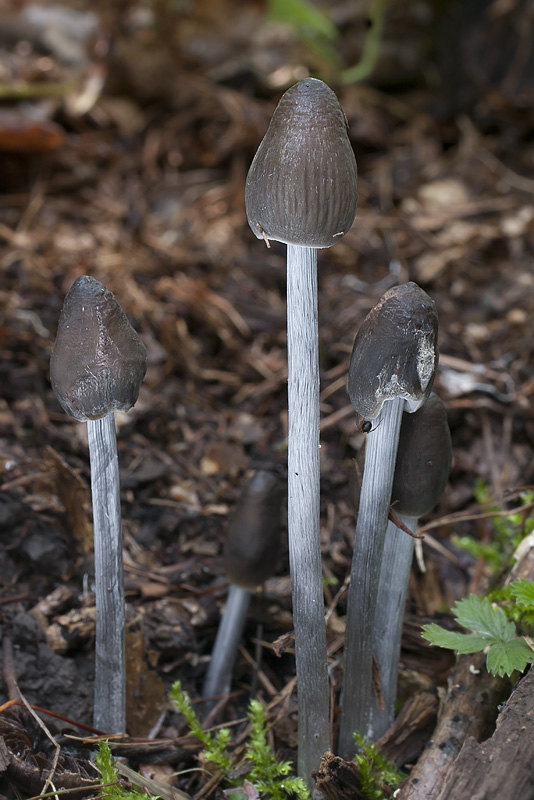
301 190
392 368
249 557
421 472
97 366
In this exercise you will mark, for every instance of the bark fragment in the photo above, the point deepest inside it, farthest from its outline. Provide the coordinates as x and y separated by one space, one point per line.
502 765
469 710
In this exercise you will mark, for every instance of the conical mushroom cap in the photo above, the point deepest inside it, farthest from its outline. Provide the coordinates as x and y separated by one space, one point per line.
253 540
395 353
302 187
98 362
424 459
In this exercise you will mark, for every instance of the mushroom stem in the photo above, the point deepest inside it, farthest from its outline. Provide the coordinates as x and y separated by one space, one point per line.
303 508
110 660
365 572
392 588
219 674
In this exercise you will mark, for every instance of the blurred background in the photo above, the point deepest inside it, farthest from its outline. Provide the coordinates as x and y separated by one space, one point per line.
126 132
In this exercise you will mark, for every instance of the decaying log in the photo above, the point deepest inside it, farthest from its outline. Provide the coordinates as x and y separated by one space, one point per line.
502 766
405 740
337 779
469 710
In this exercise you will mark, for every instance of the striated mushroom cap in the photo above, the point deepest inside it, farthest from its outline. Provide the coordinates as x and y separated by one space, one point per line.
302 185
395 353
98 362
424 459
253 540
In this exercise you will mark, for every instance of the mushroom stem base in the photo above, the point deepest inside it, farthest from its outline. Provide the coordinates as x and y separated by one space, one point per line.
219 674
303 509
393 585
110 661
375 497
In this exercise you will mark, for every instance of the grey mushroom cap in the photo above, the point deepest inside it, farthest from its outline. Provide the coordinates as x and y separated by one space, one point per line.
302 186
252 542
395 353
98 362
424 459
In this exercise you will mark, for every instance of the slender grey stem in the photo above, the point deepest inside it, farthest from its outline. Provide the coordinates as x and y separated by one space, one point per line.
392 587
303 509
362 596
110 662
219 674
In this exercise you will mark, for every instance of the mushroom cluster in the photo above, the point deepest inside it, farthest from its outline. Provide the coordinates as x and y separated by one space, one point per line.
392 368
421 472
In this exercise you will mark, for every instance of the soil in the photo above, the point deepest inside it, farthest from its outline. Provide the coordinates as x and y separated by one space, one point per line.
124 157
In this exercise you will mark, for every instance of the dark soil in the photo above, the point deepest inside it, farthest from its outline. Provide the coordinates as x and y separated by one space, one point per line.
142 187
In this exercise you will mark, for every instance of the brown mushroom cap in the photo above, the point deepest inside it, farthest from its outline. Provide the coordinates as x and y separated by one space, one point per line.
395 352
253 540
302 185
98 362
424 459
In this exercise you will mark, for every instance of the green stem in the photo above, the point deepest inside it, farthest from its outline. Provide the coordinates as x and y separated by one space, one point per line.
371 50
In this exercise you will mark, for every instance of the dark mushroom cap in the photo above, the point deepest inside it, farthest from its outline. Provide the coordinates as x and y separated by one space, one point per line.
424 459
395 352
302 185
98 362
253 540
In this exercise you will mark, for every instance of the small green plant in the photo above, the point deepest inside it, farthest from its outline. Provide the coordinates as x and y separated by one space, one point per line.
315 28
312 26
269 776
508 530
493 630
215 747
113 789
376 772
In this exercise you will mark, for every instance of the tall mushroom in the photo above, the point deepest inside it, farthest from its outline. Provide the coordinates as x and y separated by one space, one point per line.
301 190
97 366
392 368
421 473
250 554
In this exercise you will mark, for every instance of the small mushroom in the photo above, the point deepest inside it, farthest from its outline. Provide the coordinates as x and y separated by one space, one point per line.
421 472
97 366
301 189
392 367
250 556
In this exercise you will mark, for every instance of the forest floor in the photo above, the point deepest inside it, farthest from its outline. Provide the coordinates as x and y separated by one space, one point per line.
132 169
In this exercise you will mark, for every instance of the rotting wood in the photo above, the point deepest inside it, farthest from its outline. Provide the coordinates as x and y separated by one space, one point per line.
404 741
337 779
502 765
469 710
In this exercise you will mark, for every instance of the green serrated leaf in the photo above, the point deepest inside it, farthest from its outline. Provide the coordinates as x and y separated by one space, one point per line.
452 640
480 615
523 593
506 657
